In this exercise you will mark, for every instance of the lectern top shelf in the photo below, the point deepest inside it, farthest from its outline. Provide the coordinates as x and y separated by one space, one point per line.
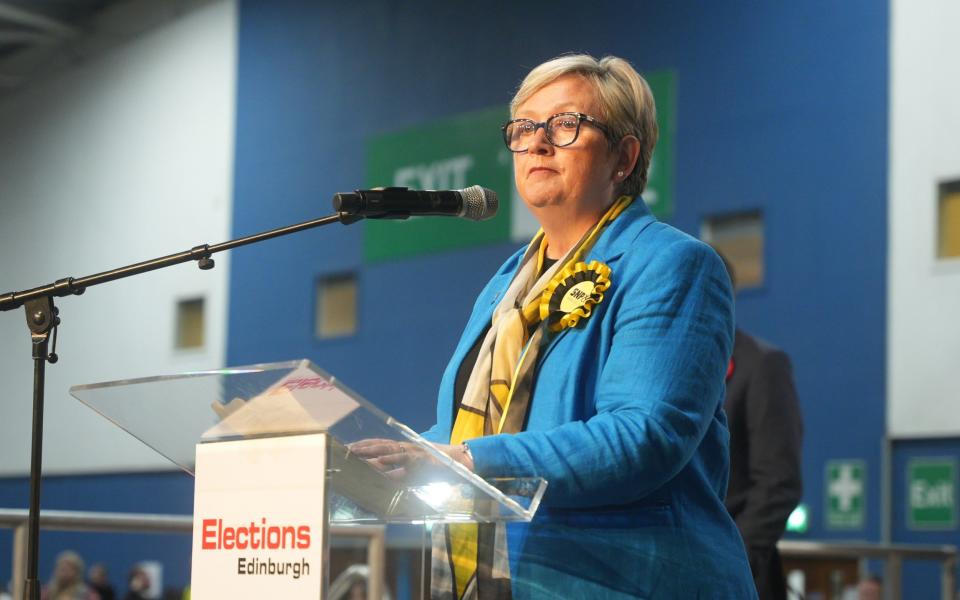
174 413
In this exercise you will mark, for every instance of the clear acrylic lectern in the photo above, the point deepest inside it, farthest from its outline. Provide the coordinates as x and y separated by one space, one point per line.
174 414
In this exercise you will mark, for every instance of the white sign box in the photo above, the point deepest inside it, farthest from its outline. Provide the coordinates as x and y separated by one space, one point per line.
259 519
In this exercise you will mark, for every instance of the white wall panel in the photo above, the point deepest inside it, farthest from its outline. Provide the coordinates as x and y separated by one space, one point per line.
123 157
923 345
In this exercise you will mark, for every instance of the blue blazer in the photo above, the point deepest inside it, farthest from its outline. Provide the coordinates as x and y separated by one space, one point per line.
626 423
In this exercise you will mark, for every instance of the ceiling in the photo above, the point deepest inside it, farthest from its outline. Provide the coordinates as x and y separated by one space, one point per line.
32 32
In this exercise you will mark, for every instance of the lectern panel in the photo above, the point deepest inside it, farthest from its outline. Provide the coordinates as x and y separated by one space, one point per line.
172 414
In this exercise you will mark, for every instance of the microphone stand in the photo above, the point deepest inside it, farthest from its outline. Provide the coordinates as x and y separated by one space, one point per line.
42 318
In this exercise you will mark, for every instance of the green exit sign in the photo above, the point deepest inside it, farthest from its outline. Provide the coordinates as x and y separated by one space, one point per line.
931 494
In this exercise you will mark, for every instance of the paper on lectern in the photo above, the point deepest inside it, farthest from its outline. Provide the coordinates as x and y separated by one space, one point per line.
300 402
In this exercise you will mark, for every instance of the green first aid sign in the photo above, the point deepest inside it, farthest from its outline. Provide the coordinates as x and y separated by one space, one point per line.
846 494
931 493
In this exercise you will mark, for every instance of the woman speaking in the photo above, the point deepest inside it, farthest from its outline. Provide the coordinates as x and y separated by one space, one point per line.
594 358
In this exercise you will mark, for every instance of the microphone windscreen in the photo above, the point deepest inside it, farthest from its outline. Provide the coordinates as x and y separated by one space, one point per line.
479 203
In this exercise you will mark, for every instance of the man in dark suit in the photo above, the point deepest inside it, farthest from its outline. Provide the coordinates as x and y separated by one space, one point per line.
765 437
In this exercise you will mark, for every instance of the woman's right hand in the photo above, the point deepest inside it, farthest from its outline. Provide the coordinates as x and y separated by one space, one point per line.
399 459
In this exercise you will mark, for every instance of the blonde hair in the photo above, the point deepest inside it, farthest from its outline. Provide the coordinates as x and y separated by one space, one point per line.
625 99
56 586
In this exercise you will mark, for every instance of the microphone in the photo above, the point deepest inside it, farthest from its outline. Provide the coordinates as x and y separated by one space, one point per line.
475 203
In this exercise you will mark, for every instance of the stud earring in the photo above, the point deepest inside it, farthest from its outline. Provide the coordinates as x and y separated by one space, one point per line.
619 173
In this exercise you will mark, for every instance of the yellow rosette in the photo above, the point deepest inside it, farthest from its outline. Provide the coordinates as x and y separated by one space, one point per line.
572 294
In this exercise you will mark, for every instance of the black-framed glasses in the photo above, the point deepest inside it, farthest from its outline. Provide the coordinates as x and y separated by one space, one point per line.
562 129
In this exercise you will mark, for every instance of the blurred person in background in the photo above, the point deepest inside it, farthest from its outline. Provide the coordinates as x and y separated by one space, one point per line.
67 580
766 432
99 581
138 584
357 591
870 588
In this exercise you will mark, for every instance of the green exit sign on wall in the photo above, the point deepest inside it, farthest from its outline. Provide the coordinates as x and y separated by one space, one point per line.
932 494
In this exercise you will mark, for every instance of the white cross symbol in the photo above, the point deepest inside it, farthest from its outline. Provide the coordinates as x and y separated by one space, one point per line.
845 488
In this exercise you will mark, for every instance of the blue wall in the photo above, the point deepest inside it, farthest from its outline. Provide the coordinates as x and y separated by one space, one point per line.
781 107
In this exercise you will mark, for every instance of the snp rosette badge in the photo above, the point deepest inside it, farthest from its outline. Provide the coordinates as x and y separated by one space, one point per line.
573 293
